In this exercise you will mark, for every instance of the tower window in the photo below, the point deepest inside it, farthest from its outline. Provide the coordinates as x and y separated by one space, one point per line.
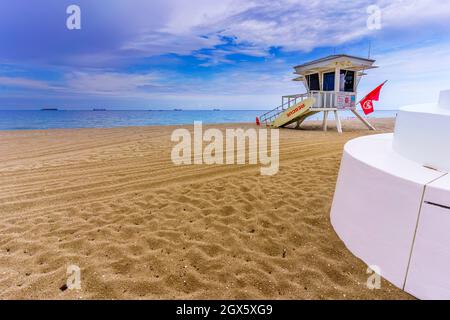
313 82
347 82
328 81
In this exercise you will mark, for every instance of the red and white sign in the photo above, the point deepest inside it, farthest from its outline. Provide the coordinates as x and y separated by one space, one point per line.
345 100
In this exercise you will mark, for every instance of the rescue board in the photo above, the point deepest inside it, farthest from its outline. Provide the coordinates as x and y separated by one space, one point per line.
294 113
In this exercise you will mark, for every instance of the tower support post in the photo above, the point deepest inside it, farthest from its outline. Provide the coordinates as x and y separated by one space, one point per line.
338 121
325 121
371 127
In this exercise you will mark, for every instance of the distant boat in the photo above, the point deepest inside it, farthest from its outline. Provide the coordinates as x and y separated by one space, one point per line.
49 109
177 109
98 109
216 109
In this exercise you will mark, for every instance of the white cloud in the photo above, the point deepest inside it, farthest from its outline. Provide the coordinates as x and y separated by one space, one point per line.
414 75
110 83
241 82
293 25
406 13
185 27
23 83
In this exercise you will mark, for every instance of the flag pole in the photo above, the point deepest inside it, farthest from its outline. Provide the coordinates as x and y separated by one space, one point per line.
367 123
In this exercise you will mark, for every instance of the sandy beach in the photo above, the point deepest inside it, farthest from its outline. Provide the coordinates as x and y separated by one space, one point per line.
139 227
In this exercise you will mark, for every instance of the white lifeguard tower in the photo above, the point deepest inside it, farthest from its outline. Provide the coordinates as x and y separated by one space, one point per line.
331 86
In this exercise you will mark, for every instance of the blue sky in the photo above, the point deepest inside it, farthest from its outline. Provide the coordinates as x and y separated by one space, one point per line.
229 54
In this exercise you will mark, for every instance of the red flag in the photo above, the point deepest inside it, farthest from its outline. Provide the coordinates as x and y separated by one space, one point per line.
367 102
257 121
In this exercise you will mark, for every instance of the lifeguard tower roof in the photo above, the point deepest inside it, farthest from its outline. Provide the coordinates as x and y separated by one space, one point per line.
348 62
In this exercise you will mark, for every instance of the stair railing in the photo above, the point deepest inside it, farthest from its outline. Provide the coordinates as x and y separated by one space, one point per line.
292 100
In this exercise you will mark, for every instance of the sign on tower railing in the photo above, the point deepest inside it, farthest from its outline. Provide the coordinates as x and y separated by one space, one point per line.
345 100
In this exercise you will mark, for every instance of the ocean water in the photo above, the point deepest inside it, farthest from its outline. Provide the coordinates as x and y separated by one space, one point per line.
39 120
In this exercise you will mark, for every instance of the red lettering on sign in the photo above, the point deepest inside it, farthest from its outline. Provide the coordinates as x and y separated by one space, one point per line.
297 109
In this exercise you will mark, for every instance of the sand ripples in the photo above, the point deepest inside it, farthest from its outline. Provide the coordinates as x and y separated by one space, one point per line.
110 201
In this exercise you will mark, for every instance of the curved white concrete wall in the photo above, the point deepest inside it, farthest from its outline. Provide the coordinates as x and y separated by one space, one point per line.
377 203
422 133
391 210
429 270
